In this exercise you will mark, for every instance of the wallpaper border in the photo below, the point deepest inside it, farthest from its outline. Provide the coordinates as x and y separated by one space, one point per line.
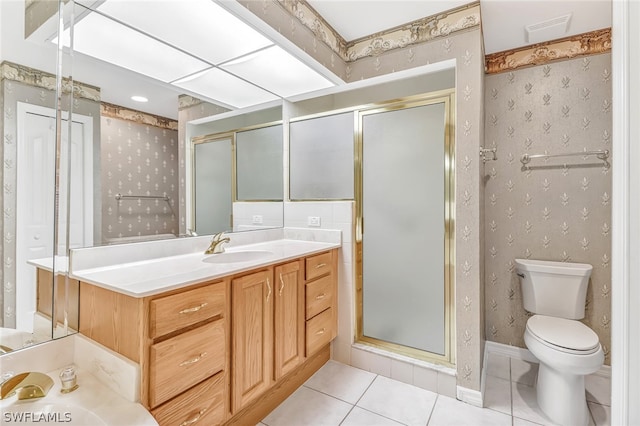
44 80
419 31
590 43
139 117
187 101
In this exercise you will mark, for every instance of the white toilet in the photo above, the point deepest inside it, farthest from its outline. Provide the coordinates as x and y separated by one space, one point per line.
566 348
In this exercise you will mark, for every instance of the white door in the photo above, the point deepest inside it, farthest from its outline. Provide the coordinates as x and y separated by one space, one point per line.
35 197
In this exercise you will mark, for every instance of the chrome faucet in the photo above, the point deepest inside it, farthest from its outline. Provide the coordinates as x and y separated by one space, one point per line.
216 244
27 385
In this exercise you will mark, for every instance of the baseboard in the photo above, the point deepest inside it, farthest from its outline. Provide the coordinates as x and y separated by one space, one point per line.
605 371
526 355
469 396
510 351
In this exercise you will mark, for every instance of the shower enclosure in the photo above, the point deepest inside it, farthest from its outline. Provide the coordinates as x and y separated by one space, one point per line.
405 242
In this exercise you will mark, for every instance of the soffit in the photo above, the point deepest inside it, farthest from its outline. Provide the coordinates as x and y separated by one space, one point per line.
503 21
355 19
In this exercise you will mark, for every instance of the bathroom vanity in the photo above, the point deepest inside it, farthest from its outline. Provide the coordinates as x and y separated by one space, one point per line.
217 342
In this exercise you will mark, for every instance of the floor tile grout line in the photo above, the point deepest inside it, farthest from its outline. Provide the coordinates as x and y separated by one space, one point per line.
340 399
373 412
347 415
380 415
593 419
433 408
526 420
365 391
327 394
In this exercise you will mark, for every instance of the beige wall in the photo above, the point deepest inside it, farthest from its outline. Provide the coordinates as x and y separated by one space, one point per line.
460 40
137 159
551 213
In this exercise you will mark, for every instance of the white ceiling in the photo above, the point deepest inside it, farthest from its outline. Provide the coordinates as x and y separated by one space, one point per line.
503 21
503 24
354 19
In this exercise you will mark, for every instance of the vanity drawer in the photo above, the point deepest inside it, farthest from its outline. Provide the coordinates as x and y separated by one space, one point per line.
319 331
201 405
319 295
318 265
180 310
178 363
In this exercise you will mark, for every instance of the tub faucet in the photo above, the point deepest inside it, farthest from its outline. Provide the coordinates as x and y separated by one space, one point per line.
28 385
216 244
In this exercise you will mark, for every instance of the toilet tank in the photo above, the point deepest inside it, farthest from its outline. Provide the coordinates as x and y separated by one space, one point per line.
557 289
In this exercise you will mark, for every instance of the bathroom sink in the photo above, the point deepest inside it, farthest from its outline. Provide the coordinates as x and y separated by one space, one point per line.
35 413
237 256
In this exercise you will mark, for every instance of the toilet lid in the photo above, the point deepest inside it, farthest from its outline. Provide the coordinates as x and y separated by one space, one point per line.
563 332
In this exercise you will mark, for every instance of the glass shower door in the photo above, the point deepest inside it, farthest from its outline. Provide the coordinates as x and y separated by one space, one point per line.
213 184
405 242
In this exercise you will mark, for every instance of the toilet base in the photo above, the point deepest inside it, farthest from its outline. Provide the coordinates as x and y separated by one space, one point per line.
562 396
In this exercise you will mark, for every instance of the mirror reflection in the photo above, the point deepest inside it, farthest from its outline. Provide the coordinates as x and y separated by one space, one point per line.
238 176
39 137
130 168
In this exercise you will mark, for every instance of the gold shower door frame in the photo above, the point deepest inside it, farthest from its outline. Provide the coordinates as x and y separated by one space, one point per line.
448 98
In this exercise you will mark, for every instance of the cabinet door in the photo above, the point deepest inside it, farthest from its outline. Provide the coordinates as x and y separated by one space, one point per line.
252 336
289 318
202 405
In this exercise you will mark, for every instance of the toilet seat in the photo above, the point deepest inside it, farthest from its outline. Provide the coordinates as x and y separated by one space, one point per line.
569 336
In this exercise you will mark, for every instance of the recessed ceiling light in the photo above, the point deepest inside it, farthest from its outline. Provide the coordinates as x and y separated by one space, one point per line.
139 98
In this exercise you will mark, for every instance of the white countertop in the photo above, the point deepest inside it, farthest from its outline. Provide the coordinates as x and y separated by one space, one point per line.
91 395
155 276
62 264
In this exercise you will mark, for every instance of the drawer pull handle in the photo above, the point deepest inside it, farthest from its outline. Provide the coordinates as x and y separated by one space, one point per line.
320 265
194 309
318 333
269 287
194 419
320 296
281 285
193 360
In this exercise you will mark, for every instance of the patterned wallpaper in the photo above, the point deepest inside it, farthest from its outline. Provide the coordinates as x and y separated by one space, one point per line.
301 24
139 157
465 46
22 84
553 212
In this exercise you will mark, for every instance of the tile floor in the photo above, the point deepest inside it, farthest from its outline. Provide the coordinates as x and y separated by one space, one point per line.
347 396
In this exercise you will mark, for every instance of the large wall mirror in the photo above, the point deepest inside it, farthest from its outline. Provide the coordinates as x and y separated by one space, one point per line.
237 180
129 157
43 150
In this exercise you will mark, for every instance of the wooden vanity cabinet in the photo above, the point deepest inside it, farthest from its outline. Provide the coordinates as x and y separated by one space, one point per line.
321 310
179 338
288 318
225 351
204 404
252 336
268 329
45 298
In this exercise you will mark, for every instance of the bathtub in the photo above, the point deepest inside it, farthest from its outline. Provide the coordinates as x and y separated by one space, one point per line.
11 339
